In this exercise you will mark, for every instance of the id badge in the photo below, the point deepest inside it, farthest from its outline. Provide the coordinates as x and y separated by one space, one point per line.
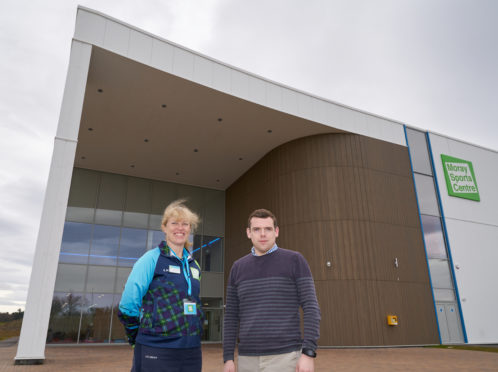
174 269
189 307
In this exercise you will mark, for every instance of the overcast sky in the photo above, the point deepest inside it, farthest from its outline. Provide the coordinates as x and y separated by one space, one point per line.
427 63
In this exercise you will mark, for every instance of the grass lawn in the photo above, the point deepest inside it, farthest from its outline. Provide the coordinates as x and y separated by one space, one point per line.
10 329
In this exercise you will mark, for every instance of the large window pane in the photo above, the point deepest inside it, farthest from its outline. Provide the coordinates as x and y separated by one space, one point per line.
106 231
132 246
79 214
64 317
84 188
118 334
101 279
212 253
75 243
96 317
418 151
108 217
154 238
155 221
138 195
105 242
212 302
196 248
134 219
70 278
212 325
426 194
433 236
447 295
112 192
123 273
440 274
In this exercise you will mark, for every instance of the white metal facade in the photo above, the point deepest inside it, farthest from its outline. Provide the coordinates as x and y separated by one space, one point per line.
472 229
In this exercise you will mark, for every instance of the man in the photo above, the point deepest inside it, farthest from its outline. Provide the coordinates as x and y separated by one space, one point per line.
265 290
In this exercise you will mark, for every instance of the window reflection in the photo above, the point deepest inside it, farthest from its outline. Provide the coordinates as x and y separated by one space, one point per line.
104 250
213 318
101 279
118 334
426 194
96 315
132 219
418 151
212 253
108 217
122 277
433 236
447 295
79 214
64 317
154 239
212 325
196 248
70 278
132 246
75 243
440 274
100 246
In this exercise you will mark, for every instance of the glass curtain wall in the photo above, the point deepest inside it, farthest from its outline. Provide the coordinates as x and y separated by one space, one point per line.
436 246
111 221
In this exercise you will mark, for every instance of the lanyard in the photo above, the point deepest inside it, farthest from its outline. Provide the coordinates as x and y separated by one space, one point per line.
186 269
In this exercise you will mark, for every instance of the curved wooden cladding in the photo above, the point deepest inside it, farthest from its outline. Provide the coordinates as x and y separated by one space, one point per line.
349 200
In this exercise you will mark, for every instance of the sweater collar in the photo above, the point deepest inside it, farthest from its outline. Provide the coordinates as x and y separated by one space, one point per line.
271 250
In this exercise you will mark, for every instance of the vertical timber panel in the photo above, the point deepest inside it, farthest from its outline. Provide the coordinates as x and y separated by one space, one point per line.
350 200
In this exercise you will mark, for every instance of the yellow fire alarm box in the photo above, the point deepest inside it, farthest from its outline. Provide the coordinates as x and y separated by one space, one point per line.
392 320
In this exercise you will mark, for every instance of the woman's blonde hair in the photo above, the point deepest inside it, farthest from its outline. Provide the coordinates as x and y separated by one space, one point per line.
178 211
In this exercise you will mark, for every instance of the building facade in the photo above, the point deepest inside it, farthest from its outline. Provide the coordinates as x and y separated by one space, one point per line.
398 224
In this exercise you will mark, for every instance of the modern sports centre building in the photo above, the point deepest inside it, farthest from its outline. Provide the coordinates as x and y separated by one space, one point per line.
398 224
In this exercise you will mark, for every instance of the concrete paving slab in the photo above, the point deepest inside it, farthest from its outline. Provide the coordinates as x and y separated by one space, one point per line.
118 358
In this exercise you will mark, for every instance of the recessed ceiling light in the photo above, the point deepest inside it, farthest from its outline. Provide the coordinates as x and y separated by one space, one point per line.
269 131
99 90
163 105
90 129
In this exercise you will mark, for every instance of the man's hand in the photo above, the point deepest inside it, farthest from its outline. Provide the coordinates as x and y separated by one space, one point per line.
305 364
229 366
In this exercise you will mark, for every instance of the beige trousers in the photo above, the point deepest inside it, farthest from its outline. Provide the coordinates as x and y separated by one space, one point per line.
269 363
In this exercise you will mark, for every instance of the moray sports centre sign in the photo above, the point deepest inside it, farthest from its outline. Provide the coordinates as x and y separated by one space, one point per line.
460 178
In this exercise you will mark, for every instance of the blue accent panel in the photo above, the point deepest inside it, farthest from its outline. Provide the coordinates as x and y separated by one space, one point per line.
138 283
423 235
447 240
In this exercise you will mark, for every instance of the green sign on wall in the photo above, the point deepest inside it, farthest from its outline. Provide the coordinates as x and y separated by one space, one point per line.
460 178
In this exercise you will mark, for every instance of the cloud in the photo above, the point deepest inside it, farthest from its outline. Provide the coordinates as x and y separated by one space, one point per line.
426 63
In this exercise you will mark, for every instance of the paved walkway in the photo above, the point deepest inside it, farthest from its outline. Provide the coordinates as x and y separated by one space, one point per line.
118 358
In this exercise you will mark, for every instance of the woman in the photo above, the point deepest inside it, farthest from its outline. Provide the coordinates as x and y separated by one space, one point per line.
160 306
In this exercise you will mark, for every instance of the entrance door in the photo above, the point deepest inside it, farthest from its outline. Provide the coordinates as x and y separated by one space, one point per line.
212 325
449 323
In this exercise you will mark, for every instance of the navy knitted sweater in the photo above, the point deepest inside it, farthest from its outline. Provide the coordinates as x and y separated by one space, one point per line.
264 294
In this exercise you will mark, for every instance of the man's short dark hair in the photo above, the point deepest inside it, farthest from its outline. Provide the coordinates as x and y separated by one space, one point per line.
262 213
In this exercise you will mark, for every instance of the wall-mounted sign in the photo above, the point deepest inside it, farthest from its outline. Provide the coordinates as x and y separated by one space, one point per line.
460 178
